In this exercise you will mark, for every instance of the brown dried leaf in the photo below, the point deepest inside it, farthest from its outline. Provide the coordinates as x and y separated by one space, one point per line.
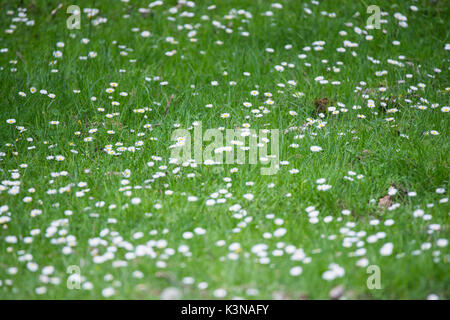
384 202
322 105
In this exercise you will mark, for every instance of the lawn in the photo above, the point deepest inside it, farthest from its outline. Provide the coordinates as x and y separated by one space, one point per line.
94 204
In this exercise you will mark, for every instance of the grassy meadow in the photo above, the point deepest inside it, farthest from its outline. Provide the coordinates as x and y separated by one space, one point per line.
93 206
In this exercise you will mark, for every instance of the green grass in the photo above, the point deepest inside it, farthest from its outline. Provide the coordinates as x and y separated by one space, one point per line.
402 153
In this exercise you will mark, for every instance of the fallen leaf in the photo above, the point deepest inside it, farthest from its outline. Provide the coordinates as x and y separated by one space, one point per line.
322 105
384 202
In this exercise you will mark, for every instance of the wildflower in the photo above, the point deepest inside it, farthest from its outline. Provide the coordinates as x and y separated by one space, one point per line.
108 292
220 293
296 271
135 201
279 232
386 249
